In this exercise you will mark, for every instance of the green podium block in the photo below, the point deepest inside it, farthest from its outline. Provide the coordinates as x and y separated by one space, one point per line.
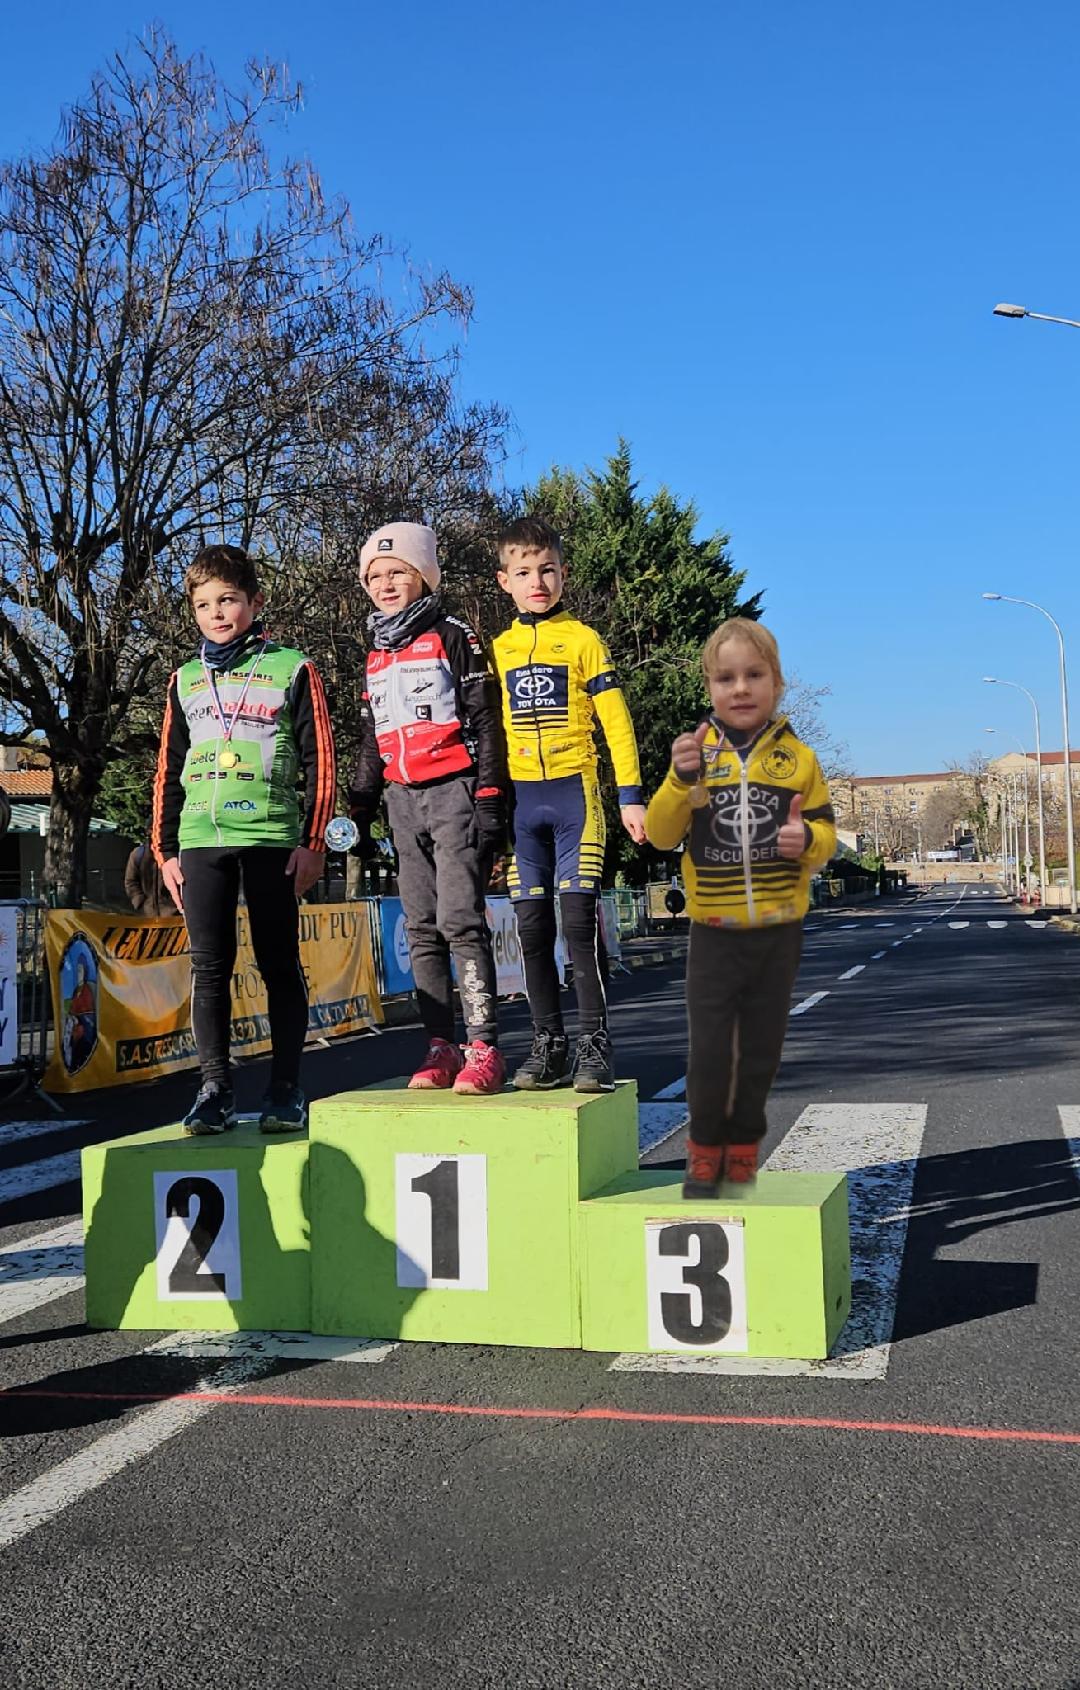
454 1219
203 1234
766 1272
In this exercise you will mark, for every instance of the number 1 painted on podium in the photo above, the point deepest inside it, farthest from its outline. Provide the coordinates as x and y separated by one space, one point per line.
441 1228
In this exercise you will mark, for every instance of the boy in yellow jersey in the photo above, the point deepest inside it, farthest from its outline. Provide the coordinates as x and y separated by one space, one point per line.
557 682
752 803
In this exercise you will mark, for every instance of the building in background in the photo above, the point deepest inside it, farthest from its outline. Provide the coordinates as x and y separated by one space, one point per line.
27 779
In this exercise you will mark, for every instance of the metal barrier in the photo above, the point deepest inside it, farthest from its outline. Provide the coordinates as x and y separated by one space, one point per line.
24 998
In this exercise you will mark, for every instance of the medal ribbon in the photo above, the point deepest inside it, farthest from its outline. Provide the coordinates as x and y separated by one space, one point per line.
228 724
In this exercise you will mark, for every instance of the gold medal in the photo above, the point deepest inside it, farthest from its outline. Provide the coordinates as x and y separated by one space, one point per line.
228 759
699 796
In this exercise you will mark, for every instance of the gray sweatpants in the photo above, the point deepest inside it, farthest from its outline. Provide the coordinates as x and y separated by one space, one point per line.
441 878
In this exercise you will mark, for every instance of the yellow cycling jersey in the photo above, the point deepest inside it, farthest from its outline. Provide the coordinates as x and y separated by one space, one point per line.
557 681
733 873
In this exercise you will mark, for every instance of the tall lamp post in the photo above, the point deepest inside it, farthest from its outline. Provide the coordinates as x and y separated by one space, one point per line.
1070 843
994 681
1006 819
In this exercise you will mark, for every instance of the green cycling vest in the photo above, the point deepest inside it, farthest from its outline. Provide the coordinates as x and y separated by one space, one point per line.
243 792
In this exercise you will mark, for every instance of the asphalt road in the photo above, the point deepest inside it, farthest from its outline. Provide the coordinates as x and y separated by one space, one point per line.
468 1516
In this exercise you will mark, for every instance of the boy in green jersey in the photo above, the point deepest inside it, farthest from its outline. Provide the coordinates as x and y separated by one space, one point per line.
243 720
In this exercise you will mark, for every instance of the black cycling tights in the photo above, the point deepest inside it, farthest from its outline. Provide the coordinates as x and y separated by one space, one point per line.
536 932
211 892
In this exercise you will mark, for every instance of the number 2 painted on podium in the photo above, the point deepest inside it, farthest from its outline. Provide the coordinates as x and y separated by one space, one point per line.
197 1226
441 1222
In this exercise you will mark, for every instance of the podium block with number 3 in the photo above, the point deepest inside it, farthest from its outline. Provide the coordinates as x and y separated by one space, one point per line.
764 1270
197 1234
452 1219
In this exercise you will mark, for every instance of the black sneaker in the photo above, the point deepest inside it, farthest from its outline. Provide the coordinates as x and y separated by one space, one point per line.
284 1109
213 1110
546 1064
592 1062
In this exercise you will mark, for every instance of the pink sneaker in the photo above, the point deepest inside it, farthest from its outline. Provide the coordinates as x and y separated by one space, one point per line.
439 1068
484 1070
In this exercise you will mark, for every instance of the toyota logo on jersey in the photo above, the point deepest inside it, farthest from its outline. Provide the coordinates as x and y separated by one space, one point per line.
726 825
538 687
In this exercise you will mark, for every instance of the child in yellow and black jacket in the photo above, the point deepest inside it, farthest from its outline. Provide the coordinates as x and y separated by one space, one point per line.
559 684
752 804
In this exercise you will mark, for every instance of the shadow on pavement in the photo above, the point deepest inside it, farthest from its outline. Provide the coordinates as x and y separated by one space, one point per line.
959 1196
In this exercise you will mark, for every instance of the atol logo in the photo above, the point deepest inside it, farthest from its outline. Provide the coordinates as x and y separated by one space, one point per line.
245 804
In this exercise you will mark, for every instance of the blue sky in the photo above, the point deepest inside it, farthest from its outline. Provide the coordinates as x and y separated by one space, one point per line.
763 243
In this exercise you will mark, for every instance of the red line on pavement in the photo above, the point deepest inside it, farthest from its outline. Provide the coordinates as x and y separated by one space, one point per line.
252 1399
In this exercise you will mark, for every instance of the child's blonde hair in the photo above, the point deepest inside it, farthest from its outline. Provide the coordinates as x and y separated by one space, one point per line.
755 634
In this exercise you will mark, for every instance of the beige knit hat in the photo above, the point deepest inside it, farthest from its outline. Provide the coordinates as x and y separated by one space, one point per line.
408 542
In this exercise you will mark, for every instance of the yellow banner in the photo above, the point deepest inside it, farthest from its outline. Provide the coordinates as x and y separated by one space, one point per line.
121 990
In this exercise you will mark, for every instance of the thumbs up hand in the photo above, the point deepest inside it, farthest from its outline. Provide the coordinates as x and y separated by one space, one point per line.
794 836
686 757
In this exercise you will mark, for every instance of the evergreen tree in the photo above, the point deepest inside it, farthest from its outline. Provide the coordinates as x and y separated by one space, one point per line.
637 575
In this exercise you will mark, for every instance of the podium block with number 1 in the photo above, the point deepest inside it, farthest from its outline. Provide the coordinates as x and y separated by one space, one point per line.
455 1219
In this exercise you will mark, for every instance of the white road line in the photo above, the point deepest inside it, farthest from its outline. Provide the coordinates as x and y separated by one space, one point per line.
13 1132
273 1346
877 956
808 1003
849 927
884 924
1037 924
878 1143
1070 1126
37 1270
657 1121
41 1175
997 924
896 942
48 1495
851 973
959 926
677 1088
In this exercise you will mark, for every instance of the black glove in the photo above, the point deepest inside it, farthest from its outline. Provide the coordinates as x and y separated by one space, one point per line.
491 823
365 847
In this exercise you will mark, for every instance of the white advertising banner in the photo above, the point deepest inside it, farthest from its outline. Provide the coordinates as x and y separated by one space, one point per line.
9 986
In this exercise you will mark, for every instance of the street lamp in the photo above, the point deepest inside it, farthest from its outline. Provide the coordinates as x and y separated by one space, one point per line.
1005 821
1070 843
993 681
1040 316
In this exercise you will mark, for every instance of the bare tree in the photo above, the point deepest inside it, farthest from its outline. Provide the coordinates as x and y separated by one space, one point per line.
185 324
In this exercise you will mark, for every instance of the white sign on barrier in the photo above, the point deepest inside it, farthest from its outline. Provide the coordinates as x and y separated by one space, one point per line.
9 977
509 973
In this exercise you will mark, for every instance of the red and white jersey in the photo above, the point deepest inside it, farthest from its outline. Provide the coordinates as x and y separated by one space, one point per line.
429 712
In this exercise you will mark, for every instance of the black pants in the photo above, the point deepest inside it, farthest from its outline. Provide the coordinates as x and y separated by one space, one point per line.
738 995
536 932
211 892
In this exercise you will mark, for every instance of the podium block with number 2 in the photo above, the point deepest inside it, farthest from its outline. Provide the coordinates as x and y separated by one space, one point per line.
203 1234
763 1270
443 1218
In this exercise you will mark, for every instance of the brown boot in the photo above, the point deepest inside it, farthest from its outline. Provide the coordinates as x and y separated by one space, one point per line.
704 1169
